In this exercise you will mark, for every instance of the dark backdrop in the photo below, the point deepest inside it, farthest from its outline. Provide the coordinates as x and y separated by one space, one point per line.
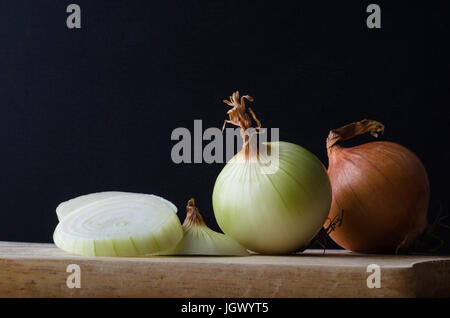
93 109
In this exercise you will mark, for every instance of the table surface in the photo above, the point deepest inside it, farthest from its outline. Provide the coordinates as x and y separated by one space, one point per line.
40 270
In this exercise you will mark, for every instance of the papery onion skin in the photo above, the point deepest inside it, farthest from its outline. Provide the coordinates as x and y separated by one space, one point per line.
273 213
382 188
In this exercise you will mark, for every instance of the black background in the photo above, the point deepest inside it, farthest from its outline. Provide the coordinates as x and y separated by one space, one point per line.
93 109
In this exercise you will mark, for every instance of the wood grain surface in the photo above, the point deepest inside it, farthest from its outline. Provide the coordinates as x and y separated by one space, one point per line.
39 270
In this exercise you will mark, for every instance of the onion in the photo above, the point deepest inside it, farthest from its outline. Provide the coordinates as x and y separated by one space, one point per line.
271 212
118 224
67 207
382 189
198 239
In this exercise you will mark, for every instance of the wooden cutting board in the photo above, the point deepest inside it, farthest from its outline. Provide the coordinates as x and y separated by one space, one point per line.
40 270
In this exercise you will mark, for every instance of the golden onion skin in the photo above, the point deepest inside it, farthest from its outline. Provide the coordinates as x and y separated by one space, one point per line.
383 189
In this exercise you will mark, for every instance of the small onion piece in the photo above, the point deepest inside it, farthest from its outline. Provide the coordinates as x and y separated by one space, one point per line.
270 211
381 188
129 225
199 239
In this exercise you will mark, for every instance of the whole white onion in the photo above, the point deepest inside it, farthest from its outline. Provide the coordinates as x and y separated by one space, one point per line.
276 211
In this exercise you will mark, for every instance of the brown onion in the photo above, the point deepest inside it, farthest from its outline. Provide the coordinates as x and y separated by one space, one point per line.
381 188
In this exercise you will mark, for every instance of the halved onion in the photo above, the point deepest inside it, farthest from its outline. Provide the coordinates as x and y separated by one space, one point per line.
129 224
68 206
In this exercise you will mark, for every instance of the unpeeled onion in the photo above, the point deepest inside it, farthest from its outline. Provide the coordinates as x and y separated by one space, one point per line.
381 188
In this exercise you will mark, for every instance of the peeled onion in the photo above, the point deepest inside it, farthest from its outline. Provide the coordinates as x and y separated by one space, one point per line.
270 211
381 188
198 239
